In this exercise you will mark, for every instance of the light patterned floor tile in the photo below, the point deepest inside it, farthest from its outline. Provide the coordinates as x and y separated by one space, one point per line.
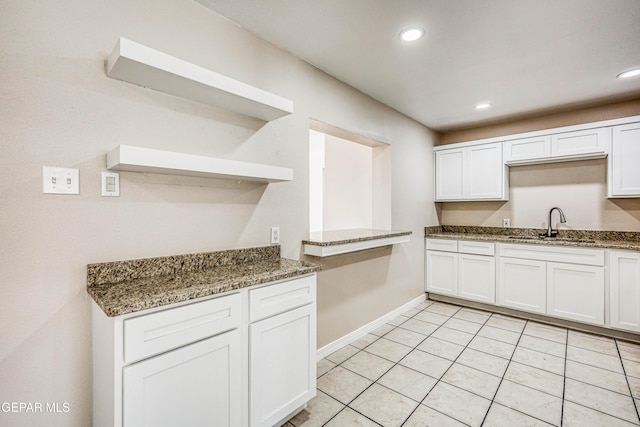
383 329
593 343
539 360
535 378
349 417
542 345
629 351
398 320
441 348
631 368
634 384
368 365
389 350
601 400
452 335
501 416
596 376
323 366
443 308
426 363
319 410
342 385
575 415
424 416
384 406
409 382
343 354
463 325
547 332
499 334
431 317
488 363
593 358
472 315
411 312
532 402
419 326
457 403
405 336
497 348
509 324
473 380
364 341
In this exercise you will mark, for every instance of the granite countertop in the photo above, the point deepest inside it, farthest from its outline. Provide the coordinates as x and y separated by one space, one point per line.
628 240
123 287
341 237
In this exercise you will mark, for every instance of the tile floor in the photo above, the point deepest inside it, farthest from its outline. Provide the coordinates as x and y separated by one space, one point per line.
444 365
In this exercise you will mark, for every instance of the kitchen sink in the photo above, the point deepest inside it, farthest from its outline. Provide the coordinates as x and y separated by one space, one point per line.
552 239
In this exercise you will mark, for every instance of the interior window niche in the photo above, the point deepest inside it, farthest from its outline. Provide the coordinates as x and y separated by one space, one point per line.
349 179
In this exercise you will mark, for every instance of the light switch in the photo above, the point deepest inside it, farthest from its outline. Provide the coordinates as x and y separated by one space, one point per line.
60 180
110 184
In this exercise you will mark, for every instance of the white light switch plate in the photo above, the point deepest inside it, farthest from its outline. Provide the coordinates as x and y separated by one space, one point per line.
110 184
60 180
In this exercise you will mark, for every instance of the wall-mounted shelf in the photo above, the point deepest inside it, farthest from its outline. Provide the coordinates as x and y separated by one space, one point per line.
328 243
135 63
138 159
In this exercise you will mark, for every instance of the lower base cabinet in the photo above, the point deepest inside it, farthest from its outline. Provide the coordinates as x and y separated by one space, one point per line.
576 292
477 278
522 284
624 287
196 385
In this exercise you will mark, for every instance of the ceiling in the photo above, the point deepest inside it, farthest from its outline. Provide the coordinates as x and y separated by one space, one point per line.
525 57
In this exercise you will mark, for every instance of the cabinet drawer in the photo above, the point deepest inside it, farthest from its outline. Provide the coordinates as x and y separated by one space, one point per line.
571 255
442 245
281 297
161 331
476 248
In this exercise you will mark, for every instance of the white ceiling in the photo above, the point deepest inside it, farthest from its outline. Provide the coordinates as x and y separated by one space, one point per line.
525 57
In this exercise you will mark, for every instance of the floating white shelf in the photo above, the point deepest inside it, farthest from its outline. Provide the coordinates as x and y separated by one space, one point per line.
135 63
138 159
335 242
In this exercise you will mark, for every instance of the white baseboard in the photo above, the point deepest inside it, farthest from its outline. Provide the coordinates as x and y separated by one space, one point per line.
323 352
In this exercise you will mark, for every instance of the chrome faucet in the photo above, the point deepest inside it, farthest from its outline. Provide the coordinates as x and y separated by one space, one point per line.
550 231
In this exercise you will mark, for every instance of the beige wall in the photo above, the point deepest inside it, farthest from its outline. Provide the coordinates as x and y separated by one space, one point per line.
59 109
579 188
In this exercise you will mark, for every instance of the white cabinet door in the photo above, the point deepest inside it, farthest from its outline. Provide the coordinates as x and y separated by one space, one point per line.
449 174
197 385
624 173
484 172
576 292
476 278
282 365
624 288
583 142
538 147
522 284
442 272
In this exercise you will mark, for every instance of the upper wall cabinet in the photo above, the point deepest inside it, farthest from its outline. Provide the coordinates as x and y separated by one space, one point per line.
624 173
135 63
558 147
474 172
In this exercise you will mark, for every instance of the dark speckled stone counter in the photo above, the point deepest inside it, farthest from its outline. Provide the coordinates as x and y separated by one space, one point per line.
124 287
628 240
341 237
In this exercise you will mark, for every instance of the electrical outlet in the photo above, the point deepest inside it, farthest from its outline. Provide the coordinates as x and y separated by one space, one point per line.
506 222
60 180
110 184
275 235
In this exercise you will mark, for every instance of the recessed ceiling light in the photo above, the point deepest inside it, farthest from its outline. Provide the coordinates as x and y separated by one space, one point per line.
629 73
411 34
483 106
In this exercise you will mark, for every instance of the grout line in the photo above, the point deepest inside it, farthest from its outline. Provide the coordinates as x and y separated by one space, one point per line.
564 379
633 400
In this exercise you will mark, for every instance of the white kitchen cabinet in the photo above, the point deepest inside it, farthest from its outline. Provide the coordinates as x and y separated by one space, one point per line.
522 284
464 269
576 292
477 278
196 385
442 272
624 290
624 173
474 172
518 150
282 365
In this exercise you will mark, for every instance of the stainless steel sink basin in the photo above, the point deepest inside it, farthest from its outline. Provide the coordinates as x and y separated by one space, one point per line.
552 239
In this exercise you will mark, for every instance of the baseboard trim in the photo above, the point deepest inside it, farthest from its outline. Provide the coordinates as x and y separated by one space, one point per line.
323 352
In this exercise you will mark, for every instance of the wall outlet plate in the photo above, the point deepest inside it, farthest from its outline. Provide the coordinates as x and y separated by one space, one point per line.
110 184
506 222
275 235
60 180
